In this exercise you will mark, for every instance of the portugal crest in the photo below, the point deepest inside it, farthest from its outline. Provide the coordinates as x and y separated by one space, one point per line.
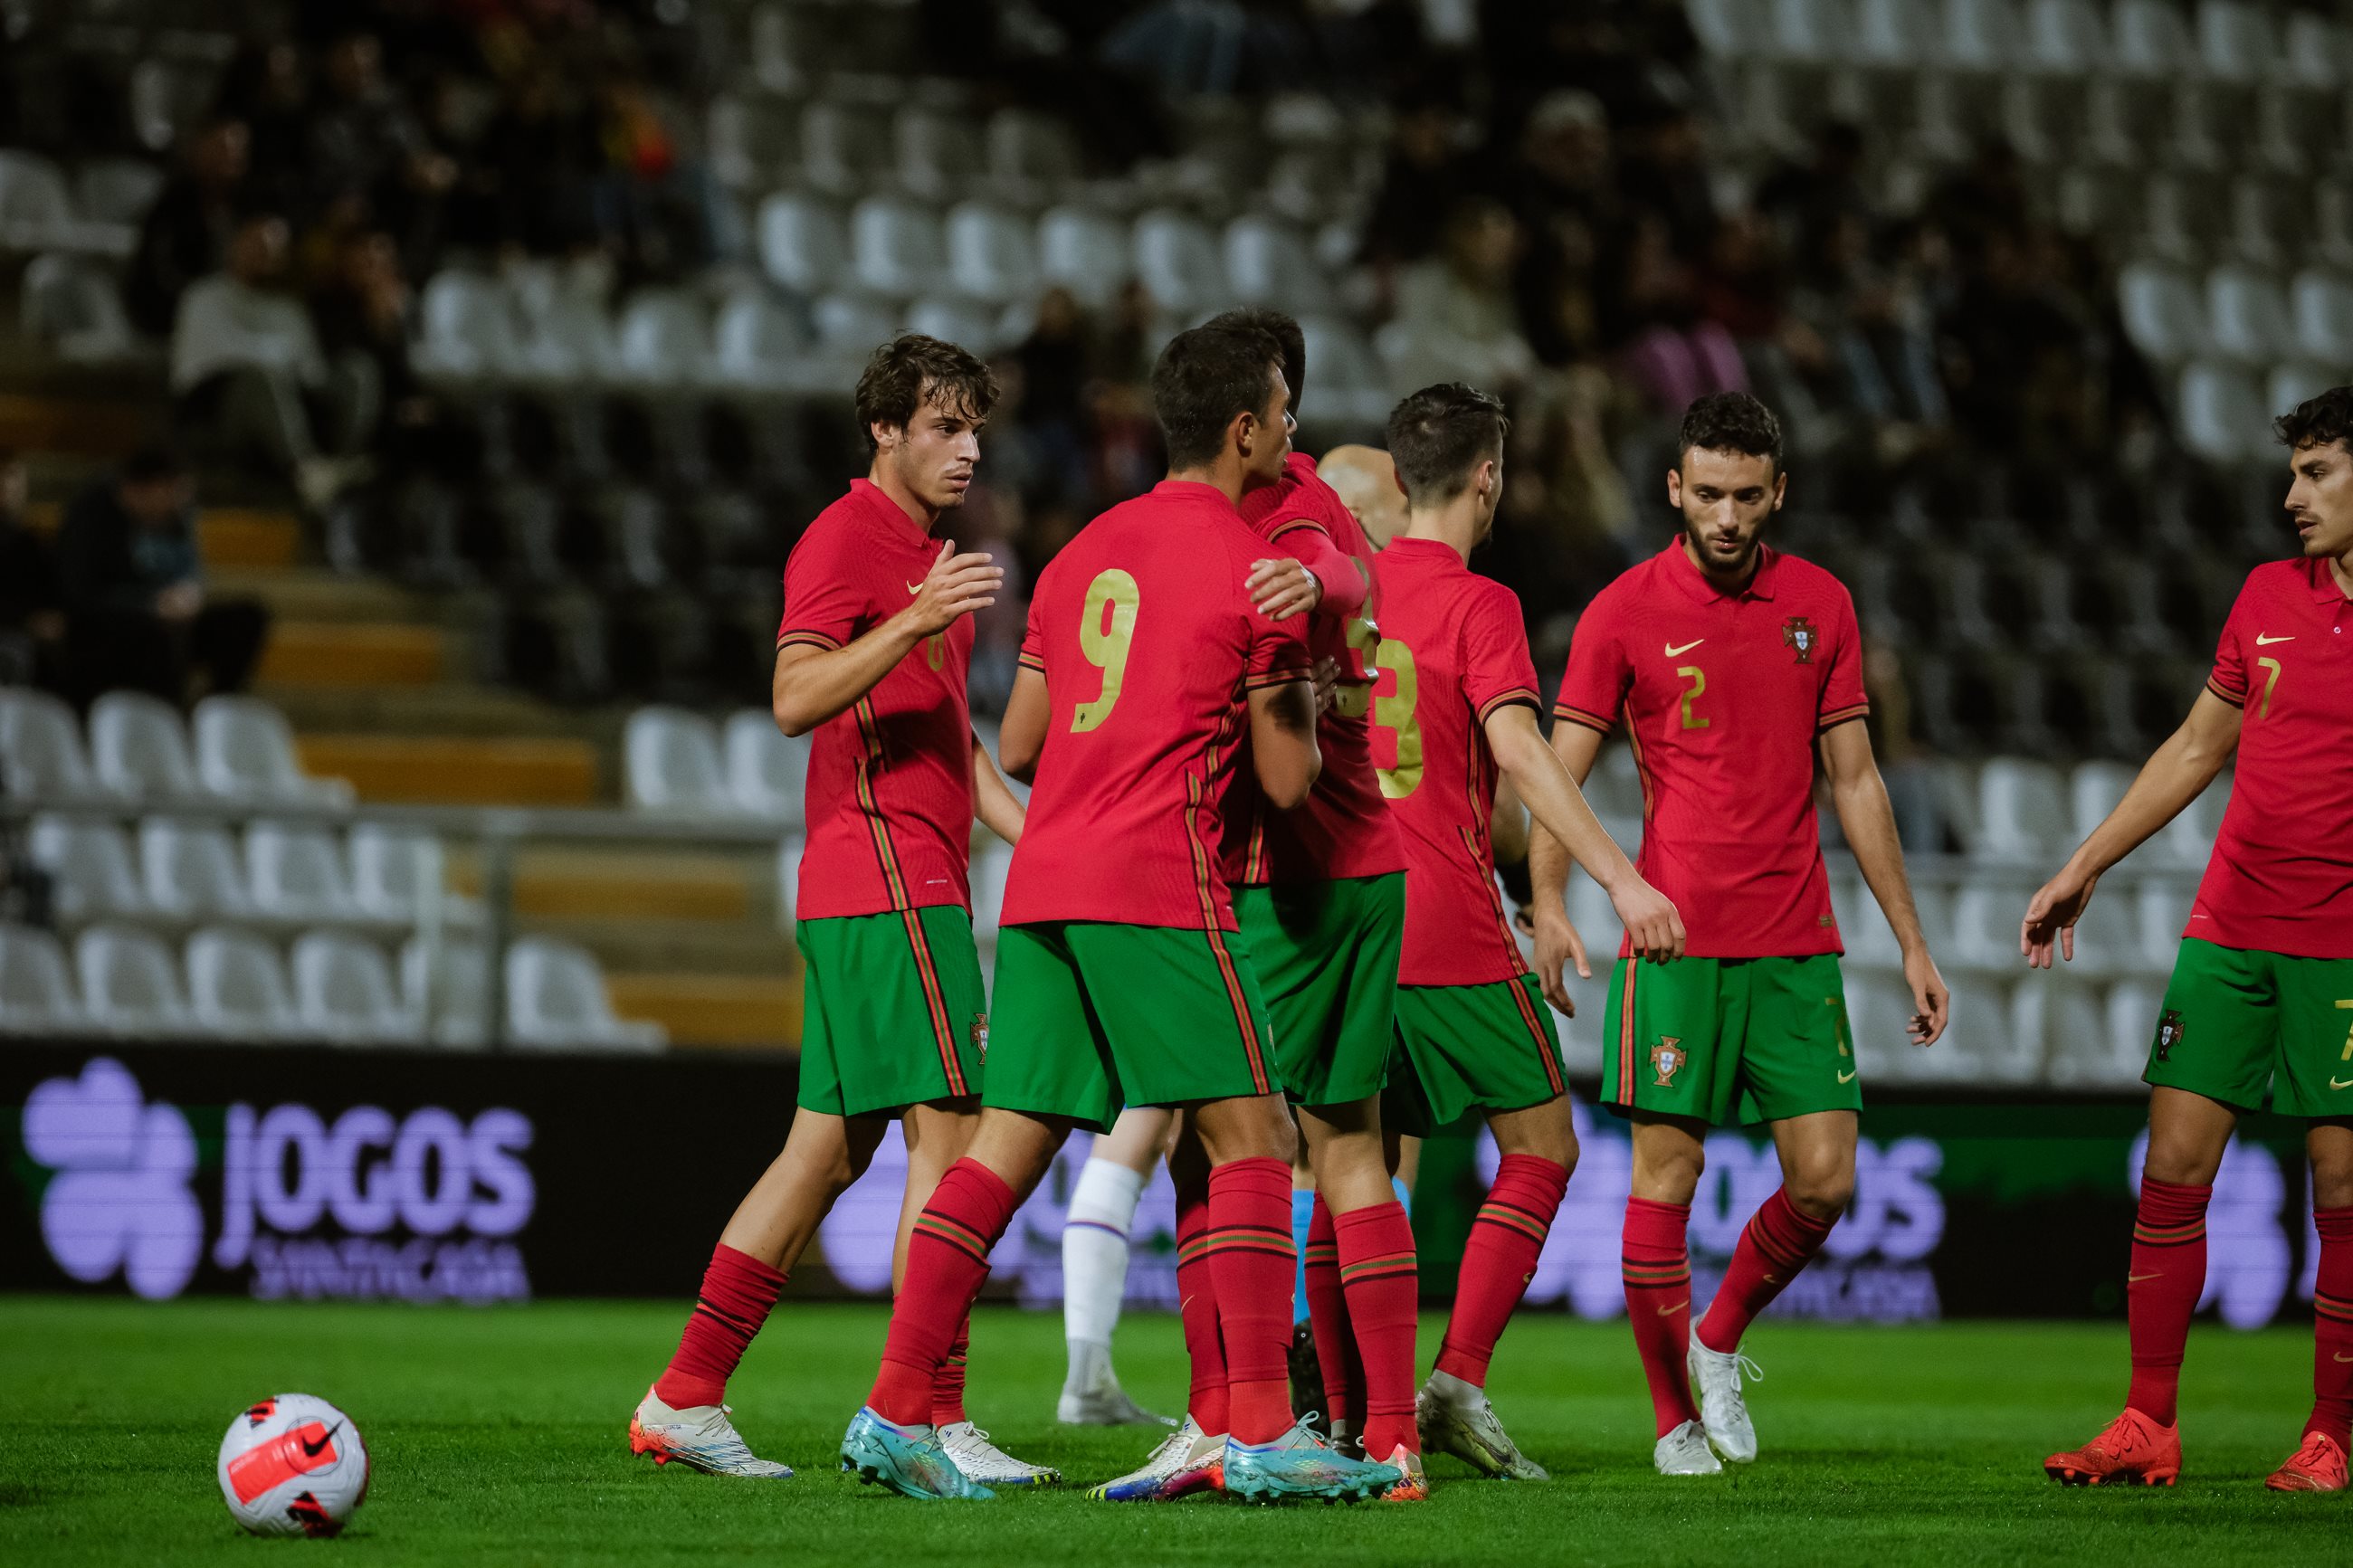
2170 1031
1798 634
1667 1058
980 1035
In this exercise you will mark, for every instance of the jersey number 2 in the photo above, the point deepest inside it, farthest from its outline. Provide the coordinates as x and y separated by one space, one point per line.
1395 714
1106 626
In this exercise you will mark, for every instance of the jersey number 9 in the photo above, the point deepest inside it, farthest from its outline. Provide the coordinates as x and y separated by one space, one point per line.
1106 627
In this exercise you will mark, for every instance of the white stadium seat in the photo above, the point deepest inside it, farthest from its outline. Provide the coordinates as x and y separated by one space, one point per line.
2148 38
468 329
296 874
130 983
991 254
1178 262
940 154
140 747
671 762
2075 1033
1981 35
1986 919
41 755
343 990
2235 41
849 325
446 990
1894 34
958 321
37 988
2222 413
555 998
757 343
245 752
89 861
2094 791
116 190
2133 1010
191 870
2162 311
768 770
2247 315
895 247
2322 305
1086 252
802 245
1269 263
72 304
1030 153
2064 37
663 340
397 875
2022 818
236 986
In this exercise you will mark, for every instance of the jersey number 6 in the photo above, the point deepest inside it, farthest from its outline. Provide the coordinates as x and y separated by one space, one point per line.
1106 626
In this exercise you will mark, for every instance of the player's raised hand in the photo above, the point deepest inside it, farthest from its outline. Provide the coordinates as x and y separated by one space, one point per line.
2052 915
1929 995
1558 946
1327 685
1281 588
1650 918
956 585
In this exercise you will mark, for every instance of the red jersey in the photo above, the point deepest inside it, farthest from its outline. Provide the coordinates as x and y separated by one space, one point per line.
889 779
1453 651
1343 828
1149 645
1723 696
2281 876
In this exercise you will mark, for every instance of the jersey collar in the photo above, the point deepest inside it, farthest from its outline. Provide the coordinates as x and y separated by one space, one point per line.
891 517
2322 580
1192 490
1694 582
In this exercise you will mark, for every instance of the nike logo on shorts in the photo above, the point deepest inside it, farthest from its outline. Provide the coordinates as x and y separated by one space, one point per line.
1847 1077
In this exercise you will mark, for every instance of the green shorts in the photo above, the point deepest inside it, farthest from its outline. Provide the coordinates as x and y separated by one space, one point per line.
1327 956
893 1013
1729 1039
1469 1048
1093 1016
2261 1031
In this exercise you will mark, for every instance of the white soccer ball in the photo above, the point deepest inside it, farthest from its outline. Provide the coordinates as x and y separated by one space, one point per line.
293 1465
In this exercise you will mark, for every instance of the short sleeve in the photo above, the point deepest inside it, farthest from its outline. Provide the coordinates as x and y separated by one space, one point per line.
1593 690
2228 680
1496 668
1278 652
1033 633
826 599
1842 700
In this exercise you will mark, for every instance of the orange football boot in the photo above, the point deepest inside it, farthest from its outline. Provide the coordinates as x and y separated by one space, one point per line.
2317 1467
2133 1448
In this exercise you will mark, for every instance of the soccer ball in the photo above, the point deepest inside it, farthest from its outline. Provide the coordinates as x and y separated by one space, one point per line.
293 1465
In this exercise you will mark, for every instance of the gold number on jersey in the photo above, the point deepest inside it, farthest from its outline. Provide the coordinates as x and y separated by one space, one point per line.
1395 714
1105 645
1353 698
2265 710
936 649
2347 1003
1698 679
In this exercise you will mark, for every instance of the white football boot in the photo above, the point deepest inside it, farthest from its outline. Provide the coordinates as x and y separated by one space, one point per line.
1455 1418
1091 1395
700 1438
982 1460
1188 1460
1715 1380
1684 1452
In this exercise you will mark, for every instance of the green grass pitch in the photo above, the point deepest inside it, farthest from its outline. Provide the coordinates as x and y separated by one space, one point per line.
498 1438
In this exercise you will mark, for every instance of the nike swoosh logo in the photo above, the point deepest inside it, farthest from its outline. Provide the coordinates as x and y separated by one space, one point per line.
1672 650
913 589
2336 1356
2333 1083
312 1450
2137 1278
1670 1310
1846 1077
2261 641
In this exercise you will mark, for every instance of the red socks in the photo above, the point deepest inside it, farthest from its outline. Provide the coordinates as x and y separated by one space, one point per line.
947 1262
737 1292
1498 1260
947 1389
1779 1239
1328 1311
1378 1274
2332 1329
1197 1299
1657 1303
2167 1276
1250 1264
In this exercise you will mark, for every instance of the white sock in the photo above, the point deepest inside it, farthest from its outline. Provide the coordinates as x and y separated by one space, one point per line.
1453 1393
1094 1250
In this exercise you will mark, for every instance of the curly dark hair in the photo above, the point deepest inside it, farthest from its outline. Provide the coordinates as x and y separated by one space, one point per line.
2317 421
1730 422
1439 435
912 369
1206 376
1286 331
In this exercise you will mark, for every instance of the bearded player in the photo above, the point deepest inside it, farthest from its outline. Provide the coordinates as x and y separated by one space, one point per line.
1456 708
1731 667
2259 1013
1121 978
871 663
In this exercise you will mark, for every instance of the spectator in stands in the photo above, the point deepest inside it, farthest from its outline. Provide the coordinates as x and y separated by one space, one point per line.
1672 352
1567 201
1876 322
32 607
364 140
246 366
185 234
362 316
1427 171
1456 317
536 168
1052 366
136 611
265 86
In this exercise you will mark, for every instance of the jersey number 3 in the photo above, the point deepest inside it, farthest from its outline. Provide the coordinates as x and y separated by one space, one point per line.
1394 713
1106 627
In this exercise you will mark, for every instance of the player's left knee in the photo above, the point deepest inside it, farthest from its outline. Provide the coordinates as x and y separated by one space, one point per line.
1821 1194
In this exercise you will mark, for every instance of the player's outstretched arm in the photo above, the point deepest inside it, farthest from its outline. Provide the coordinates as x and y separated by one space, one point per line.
1536 771
2176 773
1557 943
1022 737
1864 812
1282 741
1318 575
813 684
992 802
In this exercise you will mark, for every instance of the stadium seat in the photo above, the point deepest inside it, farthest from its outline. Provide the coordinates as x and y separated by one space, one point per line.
2222 413
36 211
236 986
958 321
990 864
895 247
2133 1010
2321 304
1030 156
991 254
37 988
466 330
296 874
1894 34
555 999
191 870
2290 384
1269 264
398 874
768 770
445 992
757 343
2235 42
2162 313
2247 315
245 752
74 306
2093 792
1986 916
1085 252
343 991
1595 920
116 190
41 757
1723 27
130 984
140 747
845 148
2147 922
1982 36
750 141
849 325
941 154
88 860
2188 839
783 40
2075 1035
802 243
1806 32
661 341
1879 1012
566 338
2022 814
1178 262
671 762
2314 51
2148 38
2064 38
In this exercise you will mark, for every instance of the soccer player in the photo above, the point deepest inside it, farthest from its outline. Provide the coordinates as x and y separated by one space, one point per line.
870 661
2256 1013
1094 1266
1457 707
1731 667
1121 978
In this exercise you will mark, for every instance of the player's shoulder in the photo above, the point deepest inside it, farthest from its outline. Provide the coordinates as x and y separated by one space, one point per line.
1481 595
834 537
1801 577
2276 577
